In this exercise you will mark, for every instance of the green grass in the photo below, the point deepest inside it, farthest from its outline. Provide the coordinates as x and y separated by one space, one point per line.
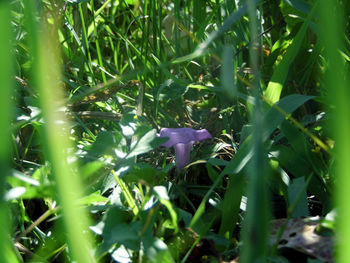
86 86
336 80
6 247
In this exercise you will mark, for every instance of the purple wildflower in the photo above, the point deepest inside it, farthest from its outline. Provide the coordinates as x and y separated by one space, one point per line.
182 139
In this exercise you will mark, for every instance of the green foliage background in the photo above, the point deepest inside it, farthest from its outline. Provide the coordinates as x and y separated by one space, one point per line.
86 86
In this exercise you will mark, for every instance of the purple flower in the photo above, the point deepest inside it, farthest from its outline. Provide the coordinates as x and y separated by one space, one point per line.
182 139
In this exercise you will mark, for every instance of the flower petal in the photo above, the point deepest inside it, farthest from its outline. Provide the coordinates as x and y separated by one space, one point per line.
202 135
183 135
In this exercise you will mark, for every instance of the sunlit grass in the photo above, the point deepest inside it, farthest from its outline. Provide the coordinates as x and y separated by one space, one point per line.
59 149
6 109
57 146
337 84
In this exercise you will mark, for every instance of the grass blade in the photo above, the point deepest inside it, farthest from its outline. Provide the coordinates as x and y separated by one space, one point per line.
231 205
56 144
338 87
6 80
126 192
256 223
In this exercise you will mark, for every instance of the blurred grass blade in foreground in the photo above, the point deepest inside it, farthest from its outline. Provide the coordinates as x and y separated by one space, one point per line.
337 82
6 87
256 222
57 145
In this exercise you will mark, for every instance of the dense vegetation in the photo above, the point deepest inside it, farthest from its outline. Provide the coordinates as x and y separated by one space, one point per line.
88 85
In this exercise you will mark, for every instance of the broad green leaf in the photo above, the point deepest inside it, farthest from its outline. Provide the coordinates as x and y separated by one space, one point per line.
122 254
107 143
228 79
93 199
290 160
91 170
125 234
156 250
303 148
300 5
146 143
231 205
23 178
296 139
184 215
288 104
297 193
115 228
170 90
161 192
212 173
294 12
28 187
145 173
297 166
279 77
307 161
14 193
128 124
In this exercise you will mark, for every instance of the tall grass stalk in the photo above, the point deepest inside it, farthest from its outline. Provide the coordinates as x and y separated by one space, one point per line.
339 95
6 109
255 231
57 145
98 49
85 41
